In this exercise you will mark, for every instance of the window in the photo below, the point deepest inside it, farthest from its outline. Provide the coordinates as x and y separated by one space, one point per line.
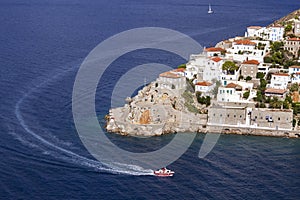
278 118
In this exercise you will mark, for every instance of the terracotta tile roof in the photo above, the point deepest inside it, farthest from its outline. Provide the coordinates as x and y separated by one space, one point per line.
244 42
204 83
169 74
216 59
179 70
294 66
233 85
251 62
254 27
275 91
276 26
212 49
294 39
280 74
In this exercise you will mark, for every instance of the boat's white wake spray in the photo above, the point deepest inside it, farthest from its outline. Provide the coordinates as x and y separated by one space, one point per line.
69 156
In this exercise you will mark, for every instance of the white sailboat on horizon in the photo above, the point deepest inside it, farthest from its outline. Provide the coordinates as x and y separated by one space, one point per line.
210 11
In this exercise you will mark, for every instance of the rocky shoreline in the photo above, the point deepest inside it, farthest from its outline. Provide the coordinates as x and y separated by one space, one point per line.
149 130
164 115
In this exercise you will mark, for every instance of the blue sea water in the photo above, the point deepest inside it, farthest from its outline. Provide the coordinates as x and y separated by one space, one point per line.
43 43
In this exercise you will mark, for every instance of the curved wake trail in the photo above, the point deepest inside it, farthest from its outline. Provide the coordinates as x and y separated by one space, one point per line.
115 168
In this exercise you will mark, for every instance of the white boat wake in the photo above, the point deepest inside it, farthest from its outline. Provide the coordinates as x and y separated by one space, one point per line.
69 156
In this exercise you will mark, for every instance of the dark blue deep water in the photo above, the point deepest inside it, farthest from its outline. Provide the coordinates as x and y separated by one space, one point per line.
43 43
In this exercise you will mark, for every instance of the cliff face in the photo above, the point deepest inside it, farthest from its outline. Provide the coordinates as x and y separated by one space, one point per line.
145 118
155 111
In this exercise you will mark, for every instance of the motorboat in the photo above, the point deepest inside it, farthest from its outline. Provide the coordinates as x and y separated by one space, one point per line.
163 172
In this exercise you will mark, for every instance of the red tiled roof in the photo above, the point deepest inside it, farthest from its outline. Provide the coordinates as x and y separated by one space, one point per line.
244 42
214 49
254 27
216 59
295 66
232 85
275 91
276 26
179 70
169 74
251 62
204 83
294 39
280 74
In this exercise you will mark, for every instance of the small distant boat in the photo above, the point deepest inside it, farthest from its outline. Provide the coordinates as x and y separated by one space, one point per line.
210 11
163 172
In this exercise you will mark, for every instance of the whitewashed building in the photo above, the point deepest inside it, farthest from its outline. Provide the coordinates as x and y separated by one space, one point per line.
297 28
204 86
279 80
280 93
214 51
228 77
171 80
195 65
272 33
252 31
233 92
275 33
294 72
212 70
245 49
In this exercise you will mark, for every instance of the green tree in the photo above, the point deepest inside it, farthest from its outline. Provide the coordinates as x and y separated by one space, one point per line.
260 75
289 99
263 84
296 108
286 104
248 78
246 95
216 88
203 100
288 28
294 87
259 96
276 46
182 66
277 58
229 66
262 105
267 59
208 101
275 103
